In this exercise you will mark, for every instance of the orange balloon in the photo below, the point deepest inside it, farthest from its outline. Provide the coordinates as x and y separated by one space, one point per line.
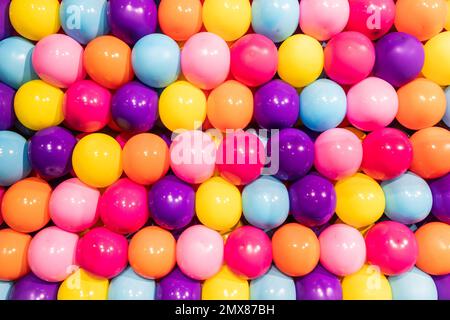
421 104
108 61
13 254
145 158
25 205
433 240
151 252
296 249
421 18
180 19
230 106
431 152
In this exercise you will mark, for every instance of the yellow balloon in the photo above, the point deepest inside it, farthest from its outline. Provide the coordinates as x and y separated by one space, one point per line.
225 285
38 105
218 204
35 19
437 59
300 60
229 19
182 106
366 284
360 200
97 160
82 285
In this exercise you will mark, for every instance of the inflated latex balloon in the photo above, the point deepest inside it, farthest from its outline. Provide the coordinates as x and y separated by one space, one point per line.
225 285
7 116
177 286
413 285
318 285
440 189
366 284
5 23
83 285
274 285
13 254
180 19
442 285
5 289
437 64
14 158
130 286
31 287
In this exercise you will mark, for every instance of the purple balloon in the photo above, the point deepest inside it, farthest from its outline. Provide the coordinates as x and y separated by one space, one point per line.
295 153
277 105
31 287
5 25
50 152
440 189
130 20
443 286
171 202
312 200
7 116
134 107
177 286
399 58
319 285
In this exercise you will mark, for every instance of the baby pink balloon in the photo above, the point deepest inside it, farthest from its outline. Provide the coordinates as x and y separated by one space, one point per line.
193 156
372 104
338 153
342 249
73 205
200 252
322 19
205 60
51 254
58 60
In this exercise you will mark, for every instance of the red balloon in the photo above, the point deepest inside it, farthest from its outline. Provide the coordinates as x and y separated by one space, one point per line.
387 154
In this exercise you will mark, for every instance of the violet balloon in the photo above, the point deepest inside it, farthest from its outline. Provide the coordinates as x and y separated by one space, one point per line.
312 200
440 189
277 105
319 285
130 20
172 203
7 116
31 287
50 152
134 107
443 286
177 286
399 58
5 25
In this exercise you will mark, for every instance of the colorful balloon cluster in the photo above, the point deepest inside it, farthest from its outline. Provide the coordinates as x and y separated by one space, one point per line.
224 149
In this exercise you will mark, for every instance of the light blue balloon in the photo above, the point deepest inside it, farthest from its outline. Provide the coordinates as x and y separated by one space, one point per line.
130 286
84 20
408 198
446 118
276 19
323 105
274 285
5 287
265 203
156 60
14 162
16 67
413 285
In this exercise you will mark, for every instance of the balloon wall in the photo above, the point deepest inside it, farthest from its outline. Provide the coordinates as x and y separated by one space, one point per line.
224 149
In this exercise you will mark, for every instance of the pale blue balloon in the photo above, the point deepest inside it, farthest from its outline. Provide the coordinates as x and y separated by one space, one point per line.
323 105
130 286
446 118
274 285
14 162
5 287
16 67
408 198
84 20
413 285
265 203
156 60
276 19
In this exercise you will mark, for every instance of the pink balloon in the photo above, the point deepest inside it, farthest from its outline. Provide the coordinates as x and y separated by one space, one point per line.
193 156
254 60
51 254
73 205
349 57
102 252
338 153
342 249
323 19
123 207
58 60
200 252
372 104
205 60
